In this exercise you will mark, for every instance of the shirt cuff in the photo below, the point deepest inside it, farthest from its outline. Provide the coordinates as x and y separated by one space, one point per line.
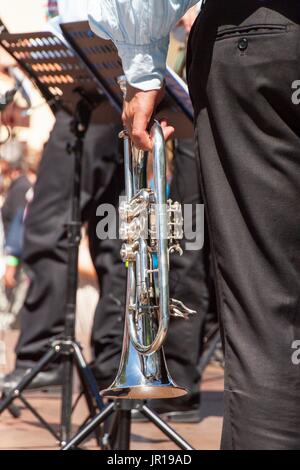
145 65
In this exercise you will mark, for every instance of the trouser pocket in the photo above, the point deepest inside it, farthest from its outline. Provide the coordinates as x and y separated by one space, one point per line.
250 30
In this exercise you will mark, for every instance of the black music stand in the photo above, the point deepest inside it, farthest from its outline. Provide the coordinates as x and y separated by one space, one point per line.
65 83
102 59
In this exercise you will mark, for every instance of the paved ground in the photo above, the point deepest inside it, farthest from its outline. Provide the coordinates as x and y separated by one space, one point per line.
27 433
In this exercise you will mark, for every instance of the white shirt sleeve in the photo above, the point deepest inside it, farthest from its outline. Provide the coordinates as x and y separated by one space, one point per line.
140 30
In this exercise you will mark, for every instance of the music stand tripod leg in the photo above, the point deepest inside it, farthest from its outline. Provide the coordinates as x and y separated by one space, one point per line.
120 438
90 427
119 435
87 378
123 431
79 128
27 379
89 387
165 428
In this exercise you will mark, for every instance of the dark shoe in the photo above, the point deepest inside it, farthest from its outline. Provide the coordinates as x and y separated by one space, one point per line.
175 410
43 380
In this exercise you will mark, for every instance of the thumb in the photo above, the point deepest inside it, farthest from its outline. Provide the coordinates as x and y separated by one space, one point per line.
168 131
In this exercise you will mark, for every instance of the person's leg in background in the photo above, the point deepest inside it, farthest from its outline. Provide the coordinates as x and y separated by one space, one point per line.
107 330
244 59
46 237
108 326
45 247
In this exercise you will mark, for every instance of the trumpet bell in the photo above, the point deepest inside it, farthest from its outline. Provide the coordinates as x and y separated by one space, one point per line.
142 377
144 392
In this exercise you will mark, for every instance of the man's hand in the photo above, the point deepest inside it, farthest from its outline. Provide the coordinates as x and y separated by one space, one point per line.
139 108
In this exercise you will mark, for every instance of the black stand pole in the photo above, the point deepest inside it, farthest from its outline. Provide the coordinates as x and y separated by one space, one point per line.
66 346
118 437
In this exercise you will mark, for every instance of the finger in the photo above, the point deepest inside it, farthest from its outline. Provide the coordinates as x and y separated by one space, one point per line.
168 131
142 140
139 133
136 128
127 121
124 118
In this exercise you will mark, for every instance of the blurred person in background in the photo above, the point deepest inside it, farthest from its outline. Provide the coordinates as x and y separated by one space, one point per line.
14 241
4 169
21 173
15 198
88 289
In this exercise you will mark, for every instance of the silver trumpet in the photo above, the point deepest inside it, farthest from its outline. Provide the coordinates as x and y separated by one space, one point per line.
151 227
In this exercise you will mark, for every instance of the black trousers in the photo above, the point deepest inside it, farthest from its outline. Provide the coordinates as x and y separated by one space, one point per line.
45 244
243 60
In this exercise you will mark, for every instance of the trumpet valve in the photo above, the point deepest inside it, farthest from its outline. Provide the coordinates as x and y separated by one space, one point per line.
132 231
125 211
128 253
138 206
